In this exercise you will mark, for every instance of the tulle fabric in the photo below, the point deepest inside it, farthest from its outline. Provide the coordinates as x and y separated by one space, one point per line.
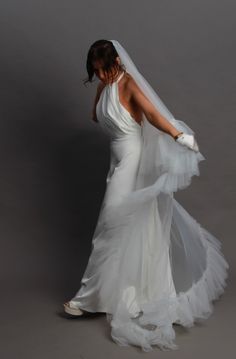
169 267
165 166
152 264
175 286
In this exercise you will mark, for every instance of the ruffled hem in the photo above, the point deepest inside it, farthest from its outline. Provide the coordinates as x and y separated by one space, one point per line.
185 309
196 303
175 162
131 229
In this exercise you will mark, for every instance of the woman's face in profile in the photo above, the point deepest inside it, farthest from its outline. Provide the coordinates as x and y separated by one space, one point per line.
102 74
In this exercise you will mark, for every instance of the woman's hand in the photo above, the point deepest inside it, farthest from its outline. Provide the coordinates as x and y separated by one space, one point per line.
156 118
188 141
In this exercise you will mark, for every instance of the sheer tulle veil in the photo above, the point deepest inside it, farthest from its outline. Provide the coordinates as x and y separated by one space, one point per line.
166 166
150 223
152 264
141 81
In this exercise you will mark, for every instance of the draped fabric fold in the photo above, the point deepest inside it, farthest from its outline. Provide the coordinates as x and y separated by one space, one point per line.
152 264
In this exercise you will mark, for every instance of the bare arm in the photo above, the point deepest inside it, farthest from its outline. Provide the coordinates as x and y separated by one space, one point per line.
151 113
98 93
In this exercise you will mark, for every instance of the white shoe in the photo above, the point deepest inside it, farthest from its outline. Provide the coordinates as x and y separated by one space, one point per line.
72 308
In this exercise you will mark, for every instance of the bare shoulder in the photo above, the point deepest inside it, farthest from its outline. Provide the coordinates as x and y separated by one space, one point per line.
130 83
132 86
138 97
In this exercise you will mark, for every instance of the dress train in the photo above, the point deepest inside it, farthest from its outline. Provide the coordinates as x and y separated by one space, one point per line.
151 264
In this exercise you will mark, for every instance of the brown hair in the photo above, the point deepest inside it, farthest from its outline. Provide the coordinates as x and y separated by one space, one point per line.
102 50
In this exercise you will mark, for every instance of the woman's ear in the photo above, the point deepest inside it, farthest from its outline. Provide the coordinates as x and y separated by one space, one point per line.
118 60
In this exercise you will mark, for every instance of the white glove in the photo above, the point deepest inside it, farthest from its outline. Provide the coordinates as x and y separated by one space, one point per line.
188 141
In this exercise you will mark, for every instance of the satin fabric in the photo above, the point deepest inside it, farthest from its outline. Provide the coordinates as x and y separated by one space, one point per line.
151 263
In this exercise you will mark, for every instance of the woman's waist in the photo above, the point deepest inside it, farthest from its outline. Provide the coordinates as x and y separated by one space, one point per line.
128 144
127 140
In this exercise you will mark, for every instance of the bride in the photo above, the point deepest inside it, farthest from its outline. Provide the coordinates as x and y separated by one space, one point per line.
152 265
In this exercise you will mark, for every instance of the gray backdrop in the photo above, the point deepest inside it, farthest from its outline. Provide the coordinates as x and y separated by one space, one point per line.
54 159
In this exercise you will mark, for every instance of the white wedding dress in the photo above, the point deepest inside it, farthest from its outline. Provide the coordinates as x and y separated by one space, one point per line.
151 263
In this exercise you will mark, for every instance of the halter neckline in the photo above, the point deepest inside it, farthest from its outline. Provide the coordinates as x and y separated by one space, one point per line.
120 76
115 81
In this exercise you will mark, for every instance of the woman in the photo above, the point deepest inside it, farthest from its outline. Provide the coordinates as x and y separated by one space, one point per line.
152 265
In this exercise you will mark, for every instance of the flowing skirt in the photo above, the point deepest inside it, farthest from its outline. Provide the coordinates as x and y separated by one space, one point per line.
151 264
